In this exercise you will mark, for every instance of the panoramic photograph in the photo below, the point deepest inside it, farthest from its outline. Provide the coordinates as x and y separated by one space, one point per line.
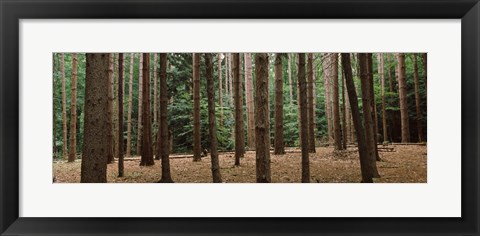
227 117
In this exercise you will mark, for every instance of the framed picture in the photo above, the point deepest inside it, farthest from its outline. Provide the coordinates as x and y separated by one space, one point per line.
90 146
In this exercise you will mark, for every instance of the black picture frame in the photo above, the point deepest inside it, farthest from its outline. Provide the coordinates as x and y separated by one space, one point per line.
11 11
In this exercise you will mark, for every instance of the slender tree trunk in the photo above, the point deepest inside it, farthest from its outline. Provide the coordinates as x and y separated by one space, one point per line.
336 107
163 149
94 153
239 127
302 85
73 110
262 121
279 144
417 99
390 89
116 106
402 87
344 116
249 100
381 67
120 115
424 56
326 85
197 150
130 94
367 110
311 117
155 97
147 155
110 158
290 78
220 86
140 97
227 77
367 162
373 107
54 114
212 128
64 110
230 84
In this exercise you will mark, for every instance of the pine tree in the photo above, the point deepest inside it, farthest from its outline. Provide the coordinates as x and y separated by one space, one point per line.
402 88
110 158
239 126
196 108
73 110
310 99
279 144
147 155
120 127
302 85
130 94
249 102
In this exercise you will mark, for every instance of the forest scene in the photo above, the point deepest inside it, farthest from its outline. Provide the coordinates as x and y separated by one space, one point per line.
239 118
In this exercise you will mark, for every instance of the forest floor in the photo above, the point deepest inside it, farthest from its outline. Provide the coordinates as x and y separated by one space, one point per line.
405 164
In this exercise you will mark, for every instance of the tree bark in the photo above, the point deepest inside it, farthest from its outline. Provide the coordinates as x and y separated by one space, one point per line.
402 87
197 150
94 153
239 127
262 121
424 56
64 110
302 85
344 115
279 144
147 155
140 96
335 103
381 67
130 94
249 101
311 116
163 149
116 105
367 109
110 158
367 162
220 87
326 85
155 112
120 127
290 85
373 107
73 110
212 128
417 99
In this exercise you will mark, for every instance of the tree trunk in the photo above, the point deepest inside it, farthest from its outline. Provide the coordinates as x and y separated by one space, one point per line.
116 106
382 89
249 101
212 128
220 87
417 99
239 127
231 75
64 110
336 107
344 115
120 115
110 158
367 162
402 87
155 113
373 107
302 85
197 150
140 96
326 85
73 110
227 78
262 121
424 56
290 85
94 153
279 144
311 116
367 109
147 155
163 149
130 94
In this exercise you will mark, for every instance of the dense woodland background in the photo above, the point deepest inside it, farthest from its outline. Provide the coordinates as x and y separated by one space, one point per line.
248 91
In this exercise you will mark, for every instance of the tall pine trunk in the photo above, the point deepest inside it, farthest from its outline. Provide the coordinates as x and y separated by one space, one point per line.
344 115
367 162
402 89
326 85
302 85
262 121
239 127
196 108
94 153
279 144
311 116
367 109
140 96
130 94
110 158
212 128
373 107
73 110
249 102
155 98
116 106
120 115
147 155
220 86
337 130
163 149
64 110
424 56
417 99
381 67
290 85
